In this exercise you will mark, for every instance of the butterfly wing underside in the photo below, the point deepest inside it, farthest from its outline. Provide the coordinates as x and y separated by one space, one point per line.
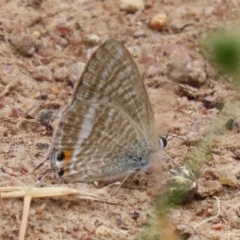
109 121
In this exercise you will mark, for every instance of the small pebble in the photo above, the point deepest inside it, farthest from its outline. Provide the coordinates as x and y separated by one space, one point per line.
32 212
45 52
6 148
46 117
182 186
89 226
43 73
158 21
227 177
208 11
185 230
154 71
182 68
208 188
61 74
17 112
149 3
63 29
135 51
23 43
75 39
131 6
63 42
237 153
135 215
91 40
139 34
75 71
104 232
236 125
217 226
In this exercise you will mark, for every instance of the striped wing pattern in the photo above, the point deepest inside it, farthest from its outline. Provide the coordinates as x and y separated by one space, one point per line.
108 128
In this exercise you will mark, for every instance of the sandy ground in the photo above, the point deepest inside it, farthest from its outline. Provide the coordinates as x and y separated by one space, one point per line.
43 46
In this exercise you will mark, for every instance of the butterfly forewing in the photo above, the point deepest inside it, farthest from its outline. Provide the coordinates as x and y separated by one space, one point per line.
108 128
112 76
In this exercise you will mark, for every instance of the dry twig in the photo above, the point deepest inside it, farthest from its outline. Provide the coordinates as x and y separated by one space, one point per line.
8 88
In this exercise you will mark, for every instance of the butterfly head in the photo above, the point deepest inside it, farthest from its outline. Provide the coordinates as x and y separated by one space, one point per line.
162 142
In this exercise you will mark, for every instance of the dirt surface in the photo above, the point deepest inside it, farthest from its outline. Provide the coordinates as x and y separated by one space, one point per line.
43 48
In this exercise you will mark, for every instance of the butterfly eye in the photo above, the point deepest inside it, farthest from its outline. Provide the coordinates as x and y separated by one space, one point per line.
61 172
60 156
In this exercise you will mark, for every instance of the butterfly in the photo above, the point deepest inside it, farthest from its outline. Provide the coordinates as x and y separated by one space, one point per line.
107 130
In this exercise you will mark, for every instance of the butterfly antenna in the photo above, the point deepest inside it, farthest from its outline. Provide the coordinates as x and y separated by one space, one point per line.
40 178
174 136
207 149
40 165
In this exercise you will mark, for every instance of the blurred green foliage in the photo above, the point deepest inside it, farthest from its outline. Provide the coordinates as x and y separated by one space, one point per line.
224 48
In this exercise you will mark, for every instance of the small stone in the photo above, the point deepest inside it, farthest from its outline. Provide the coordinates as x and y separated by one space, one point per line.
63 42
46 117
91 40
104 232
237 153
135 215
149 3
208 11
185 230
154 71
131 6
63 29
208 188
227 177
182 68
32 212
43 73
75 39
210 102
196 72
17 112
158 21
139 34
121 224
182 186
217 226
61 73
45 52
23 43
36 33
33 112
135 51
89 226
236 125
75 71
6 148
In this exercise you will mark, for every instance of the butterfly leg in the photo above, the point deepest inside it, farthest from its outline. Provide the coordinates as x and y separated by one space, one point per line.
120 183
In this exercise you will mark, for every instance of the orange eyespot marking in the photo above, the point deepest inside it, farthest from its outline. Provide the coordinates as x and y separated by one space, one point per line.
64 156
67 155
